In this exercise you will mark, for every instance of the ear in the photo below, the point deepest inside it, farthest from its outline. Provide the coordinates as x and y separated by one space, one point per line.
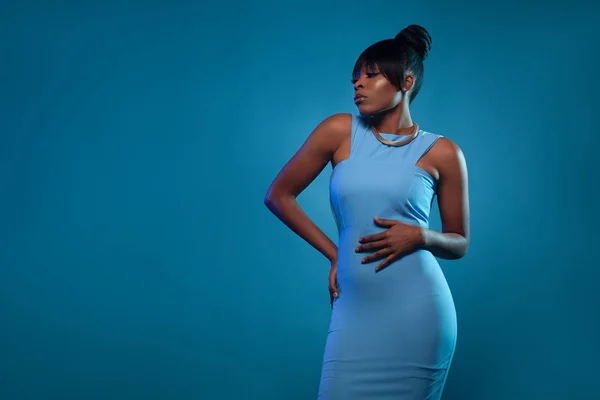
408 83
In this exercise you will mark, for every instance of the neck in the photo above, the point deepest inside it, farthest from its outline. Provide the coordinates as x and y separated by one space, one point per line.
396 120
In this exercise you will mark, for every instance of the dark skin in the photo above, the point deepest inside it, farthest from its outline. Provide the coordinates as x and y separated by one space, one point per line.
330 143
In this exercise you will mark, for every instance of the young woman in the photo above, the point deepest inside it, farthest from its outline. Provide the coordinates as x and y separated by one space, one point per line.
393 327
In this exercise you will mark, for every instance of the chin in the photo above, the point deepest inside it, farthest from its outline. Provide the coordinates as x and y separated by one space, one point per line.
367 111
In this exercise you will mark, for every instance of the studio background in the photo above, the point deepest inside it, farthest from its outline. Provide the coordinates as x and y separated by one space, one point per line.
138 261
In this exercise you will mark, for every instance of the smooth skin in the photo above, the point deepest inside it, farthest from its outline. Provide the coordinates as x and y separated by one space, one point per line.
329 142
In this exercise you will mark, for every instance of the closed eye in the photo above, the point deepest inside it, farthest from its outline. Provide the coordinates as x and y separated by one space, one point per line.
369 75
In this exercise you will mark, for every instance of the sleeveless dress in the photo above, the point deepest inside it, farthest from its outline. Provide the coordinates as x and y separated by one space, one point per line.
392 333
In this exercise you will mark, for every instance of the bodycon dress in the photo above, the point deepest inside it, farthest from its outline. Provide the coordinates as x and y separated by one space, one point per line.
392 333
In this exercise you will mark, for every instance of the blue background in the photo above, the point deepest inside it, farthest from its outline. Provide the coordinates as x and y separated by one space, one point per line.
138 140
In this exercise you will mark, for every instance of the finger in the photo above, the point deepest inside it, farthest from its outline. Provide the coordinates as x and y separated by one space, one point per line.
333 294
385 222
379 254
333 283
333 286
385 262
372 238
371 245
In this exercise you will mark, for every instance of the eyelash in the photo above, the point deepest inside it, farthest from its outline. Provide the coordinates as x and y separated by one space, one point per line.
370 75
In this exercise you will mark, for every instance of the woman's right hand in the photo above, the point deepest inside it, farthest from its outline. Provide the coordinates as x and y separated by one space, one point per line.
333 284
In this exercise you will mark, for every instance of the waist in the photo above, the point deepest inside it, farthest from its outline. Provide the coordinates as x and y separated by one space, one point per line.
348 239
412 274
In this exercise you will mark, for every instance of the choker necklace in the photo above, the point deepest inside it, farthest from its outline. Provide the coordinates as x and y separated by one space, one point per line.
398 143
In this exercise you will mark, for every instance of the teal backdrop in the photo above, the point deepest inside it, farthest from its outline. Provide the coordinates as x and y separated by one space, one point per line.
138 140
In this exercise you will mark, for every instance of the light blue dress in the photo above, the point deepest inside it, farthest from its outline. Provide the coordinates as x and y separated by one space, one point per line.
392 334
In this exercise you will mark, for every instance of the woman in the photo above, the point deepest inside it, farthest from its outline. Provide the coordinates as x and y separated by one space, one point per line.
393 328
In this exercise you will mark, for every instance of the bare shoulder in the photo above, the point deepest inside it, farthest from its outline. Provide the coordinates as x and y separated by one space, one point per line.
314 154
333 130
446 148
447 154
339 120
449 158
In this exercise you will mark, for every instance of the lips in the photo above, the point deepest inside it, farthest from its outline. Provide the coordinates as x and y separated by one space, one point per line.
359 98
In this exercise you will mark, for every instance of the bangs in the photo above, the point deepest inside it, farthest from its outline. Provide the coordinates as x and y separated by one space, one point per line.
382 56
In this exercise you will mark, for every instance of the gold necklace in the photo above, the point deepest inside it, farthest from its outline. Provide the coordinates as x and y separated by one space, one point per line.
398 143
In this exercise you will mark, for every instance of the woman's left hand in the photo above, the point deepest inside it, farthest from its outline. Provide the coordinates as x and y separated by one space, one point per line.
397 240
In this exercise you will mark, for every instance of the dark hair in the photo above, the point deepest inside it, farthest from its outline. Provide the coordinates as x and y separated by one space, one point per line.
395 57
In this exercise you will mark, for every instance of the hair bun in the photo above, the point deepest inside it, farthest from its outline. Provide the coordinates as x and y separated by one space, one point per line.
416 37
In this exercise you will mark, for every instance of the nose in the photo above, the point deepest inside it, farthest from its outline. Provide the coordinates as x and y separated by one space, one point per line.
358 84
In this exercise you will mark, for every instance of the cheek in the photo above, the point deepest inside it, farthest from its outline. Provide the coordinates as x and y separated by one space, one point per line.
386 92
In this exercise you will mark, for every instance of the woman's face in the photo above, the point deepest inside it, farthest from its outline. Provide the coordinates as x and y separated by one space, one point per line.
373 92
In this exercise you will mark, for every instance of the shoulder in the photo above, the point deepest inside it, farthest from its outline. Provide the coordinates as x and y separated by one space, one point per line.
333 130
446 148
447 155
339 122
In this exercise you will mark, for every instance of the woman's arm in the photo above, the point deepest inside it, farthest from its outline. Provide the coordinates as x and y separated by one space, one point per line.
453 202
299 172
